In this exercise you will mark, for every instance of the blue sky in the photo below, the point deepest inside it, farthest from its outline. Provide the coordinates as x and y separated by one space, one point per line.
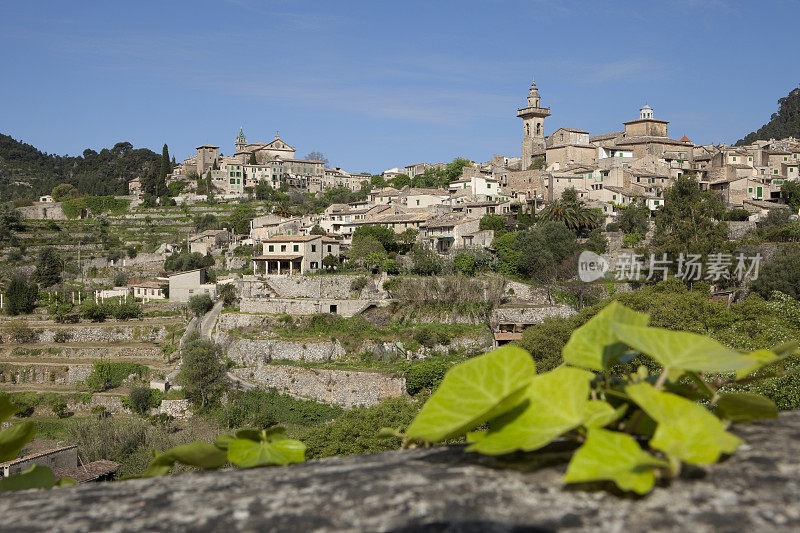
376 84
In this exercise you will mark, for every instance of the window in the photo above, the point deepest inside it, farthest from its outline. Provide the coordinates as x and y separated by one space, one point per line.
283 247
296 248
775 171
313 247
329 247
734 158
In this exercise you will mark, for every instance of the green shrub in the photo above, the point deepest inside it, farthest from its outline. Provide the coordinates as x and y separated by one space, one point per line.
425 375
465 263
20 331
60 409
62 336
96 312
426 337
390 267
358 284
200 304
126 310
107 375
141 398
355 430
262 409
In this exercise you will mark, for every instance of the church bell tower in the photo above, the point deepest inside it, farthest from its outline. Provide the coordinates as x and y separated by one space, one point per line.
532 116
241 141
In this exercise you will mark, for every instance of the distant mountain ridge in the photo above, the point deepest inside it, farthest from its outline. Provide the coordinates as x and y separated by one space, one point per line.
784 123
27 172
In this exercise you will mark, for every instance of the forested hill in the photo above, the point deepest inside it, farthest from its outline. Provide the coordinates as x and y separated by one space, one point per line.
784 123
26 172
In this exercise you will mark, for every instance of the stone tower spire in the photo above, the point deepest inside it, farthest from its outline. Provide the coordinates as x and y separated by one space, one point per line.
241 141
532 116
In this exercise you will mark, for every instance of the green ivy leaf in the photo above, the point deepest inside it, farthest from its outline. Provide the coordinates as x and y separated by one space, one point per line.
595 345
758 359
745 407
36 477
222 441
200 454
14 438
684 350
686 430
553 404
473 392
612 456
598 413
248 453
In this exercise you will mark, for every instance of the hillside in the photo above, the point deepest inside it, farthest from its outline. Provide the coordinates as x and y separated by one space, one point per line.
27 172
784 123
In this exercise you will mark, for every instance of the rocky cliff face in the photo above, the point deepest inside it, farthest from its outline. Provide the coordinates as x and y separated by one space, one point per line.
436 489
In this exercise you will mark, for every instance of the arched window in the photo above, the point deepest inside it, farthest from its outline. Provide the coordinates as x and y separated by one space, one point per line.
528 129
538 129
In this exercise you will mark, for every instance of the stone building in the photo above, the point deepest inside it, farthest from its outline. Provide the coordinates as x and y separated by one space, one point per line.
184 285
293 254
532 115
63 462
569 146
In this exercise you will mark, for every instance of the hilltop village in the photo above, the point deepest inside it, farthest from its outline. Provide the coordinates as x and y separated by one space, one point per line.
260 288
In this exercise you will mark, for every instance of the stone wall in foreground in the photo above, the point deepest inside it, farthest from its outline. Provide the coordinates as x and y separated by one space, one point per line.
434 489
348 388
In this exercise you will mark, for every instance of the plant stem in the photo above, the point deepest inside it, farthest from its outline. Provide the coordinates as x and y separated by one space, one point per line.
662 378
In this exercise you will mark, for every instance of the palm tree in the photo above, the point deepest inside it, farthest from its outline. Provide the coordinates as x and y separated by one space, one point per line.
575 216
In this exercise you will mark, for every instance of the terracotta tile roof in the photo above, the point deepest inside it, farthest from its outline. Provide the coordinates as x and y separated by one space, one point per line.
278 256
292 238
87 472
35 455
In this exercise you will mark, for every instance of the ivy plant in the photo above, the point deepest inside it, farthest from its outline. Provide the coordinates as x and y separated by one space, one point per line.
628 428
12 440
247 448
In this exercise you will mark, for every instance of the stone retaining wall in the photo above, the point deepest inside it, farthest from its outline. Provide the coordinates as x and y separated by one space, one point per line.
113 404
302 306
93 352
254 352
62 374
112 332
178 409
348 388
326 287
530 315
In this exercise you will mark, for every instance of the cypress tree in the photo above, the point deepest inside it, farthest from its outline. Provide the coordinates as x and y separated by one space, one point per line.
166 168
253 160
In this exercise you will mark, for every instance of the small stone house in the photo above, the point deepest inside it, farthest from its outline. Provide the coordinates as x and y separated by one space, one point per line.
209 241
293 254
184 285
148 290
64 463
